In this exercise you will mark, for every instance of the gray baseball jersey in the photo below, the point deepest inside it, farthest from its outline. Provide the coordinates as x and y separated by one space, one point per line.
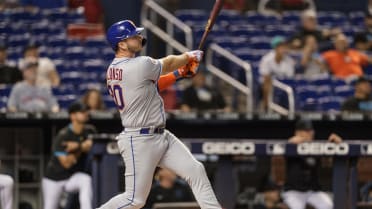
132 82
133 85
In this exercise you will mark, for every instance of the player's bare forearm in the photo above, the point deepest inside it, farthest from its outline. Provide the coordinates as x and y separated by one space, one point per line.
172 62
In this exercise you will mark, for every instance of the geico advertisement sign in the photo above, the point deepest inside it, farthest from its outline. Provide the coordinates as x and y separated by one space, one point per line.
229 148
322 149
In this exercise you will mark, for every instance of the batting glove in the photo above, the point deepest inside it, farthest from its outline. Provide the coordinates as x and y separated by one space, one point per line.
187 71
196 55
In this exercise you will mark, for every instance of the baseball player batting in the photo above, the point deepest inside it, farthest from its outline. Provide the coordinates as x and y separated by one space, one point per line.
145 143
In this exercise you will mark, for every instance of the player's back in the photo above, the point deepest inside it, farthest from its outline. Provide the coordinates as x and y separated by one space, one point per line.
132 82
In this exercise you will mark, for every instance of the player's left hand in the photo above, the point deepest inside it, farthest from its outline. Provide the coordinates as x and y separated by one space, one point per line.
335 138
71 146
189 70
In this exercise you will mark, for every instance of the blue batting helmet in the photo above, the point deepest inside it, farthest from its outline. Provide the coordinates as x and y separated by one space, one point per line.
122 30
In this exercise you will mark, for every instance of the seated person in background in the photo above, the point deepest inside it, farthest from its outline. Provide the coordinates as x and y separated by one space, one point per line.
361 43
93 100
276 7
6 191
302 182
344 62
168 188
47 74
67 171
276 64
366 192
309 27
201 97
363 40
270 198
362 100
8 73
310 63
27 96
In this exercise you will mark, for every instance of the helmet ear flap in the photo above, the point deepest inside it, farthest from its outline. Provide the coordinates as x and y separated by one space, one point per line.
144 41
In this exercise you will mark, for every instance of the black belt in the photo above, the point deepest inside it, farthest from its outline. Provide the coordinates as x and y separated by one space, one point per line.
157 130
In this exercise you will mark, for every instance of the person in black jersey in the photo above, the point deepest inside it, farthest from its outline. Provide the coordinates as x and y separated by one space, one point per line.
168 188
302 182
66 170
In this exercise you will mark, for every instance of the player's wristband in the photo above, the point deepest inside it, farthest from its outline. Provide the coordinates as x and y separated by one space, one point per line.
177 74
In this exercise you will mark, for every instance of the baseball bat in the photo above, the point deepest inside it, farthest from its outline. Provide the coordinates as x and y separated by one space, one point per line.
212 18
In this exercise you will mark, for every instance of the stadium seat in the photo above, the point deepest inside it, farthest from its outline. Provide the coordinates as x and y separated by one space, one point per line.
64 89
344 91
75 52
96 42
109 102
328 104
291 18
65 101
20 40
246 31
71 77
191 14
57 41
108 54
260 42
357 18
258 19
5 90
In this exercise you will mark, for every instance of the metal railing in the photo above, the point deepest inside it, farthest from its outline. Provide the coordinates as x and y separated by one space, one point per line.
291 104
149 13
245 89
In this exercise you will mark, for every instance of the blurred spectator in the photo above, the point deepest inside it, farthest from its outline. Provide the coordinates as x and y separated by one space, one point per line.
238 5
29 97
6 189
310 62
276 64
169 97
363 40
270 198
275 7
93 100
67 170
362 100
168 188
308 28
366 192
43 4
8 73
4 4
344 62
302 181
47 74
201 97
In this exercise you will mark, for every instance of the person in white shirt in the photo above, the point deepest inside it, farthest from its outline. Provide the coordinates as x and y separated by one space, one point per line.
6 191
47 74
275 64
